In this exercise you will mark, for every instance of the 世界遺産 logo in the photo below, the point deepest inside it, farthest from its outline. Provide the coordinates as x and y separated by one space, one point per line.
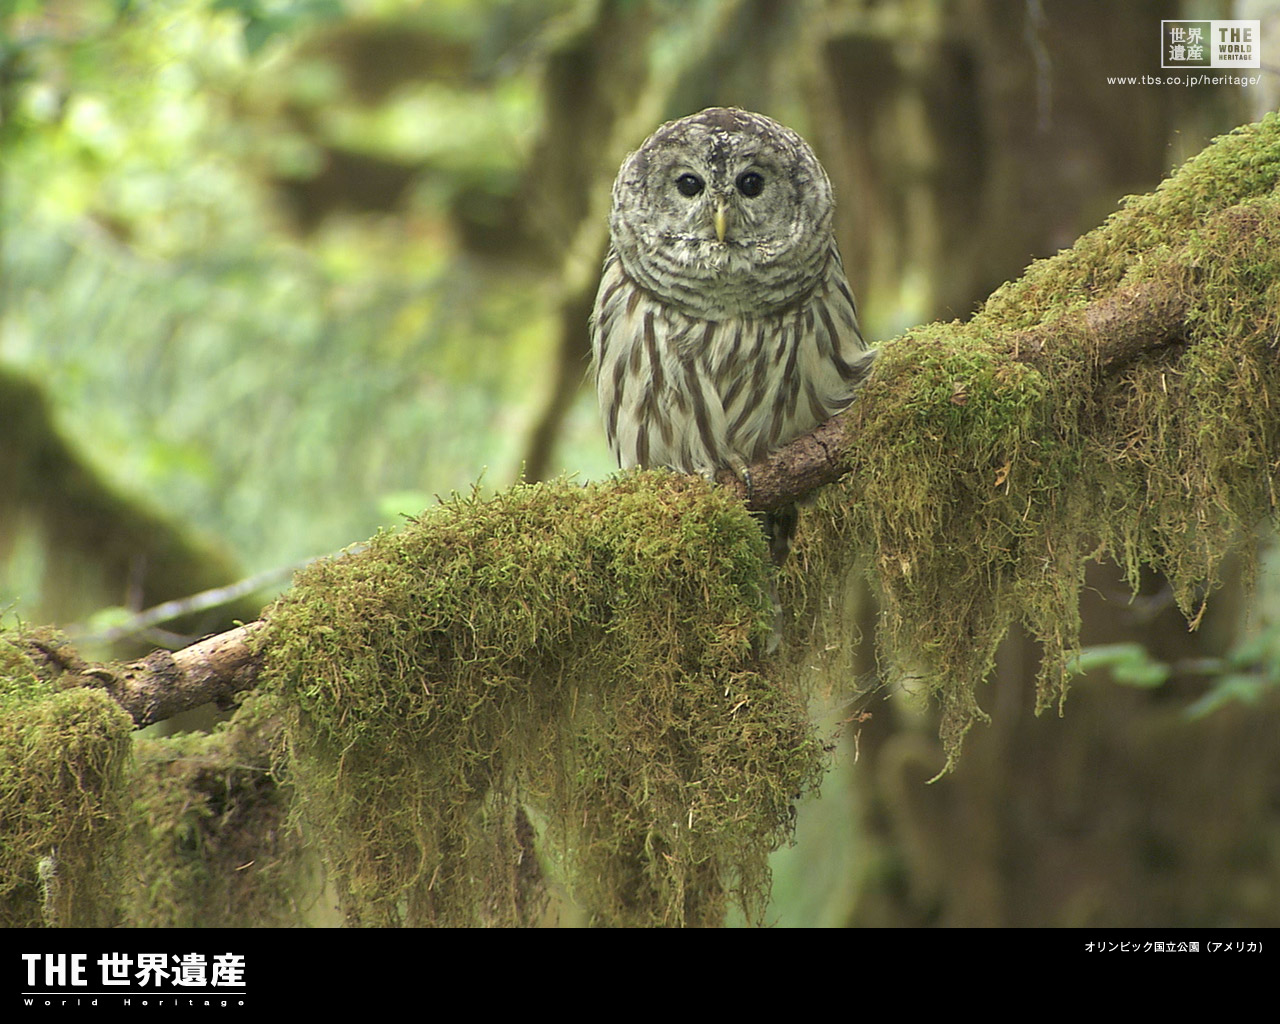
1210 44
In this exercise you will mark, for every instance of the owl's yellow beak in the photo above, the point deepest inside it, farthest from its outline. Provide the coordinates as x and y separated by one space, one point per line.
721 221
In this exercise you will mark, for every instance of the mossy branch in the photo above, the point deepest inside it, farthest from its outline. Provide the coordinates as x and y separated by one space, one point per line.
1131 322
1188 269
1125 325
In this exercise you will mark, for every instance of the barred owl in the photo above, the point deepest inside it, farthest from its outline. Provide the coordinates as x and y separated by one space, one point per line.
724 326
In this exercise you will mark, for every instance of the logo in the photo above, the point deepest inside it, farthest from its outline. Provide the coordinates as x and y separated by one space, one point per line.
159 979
1210 44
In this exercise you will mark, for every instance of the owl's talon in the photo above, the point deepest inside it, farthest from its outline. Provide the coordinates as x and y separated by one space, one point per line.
742 472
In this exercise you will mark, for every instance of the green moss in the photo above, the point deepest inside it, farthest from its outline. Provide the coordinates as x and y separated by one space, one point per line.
102 827
1137 241
982 485
576 661
211 845
64 763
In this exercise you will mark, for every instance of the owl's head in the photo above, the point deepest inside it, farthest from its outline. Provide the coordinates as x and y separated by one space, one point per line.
723 214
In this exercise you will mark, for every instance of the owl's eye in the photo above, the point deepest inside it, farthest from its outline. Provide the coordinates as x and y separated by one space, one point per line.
689 185
750 183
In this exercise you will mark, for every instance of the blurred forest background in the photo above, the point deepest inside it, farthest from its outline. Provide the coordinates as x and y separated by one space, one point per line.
275 272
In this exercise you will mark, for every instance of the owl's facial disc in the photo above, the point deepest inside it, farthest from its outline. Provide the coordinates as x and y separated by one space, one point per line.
723 213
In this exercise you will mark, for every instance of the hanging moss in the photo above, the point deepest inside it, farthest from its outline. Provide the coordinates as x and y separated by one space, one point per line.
210 842
983 482
64 765
575 662
100 827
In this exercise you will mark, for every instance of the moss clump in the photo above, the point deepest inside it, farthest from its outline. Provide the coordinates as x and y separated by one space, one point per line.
984 482
571 668
64 765
211 844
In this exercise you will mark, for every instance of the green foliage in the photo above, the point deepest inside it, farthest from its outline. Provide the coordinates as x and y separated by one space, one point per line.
264 21
89 531
1248 674
576 660
1129 664
268 381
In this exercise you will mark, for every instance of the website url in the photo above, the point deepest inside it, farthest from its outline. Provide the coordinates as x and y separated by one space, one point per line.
1187 80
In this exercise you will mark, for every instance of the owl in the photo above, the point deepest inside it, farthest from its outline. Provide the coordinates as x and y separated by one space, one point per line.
724 326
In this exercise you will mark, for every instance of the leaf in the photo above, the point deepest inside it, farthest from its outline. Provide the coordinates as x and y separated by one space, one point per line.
1129 664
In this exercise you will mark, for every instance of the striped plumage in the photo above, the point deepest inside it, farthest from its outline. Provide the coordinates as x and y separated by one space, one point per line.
724 326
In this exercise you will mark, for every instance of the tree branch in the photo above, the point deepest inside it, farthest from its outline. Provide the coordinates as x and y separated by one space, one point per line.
165 683
1128 323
